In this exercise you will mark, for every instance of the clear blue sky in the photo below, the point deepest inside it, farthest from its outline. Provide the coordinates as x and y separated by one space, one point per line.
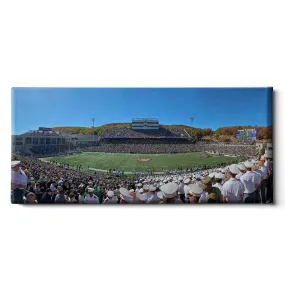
211 107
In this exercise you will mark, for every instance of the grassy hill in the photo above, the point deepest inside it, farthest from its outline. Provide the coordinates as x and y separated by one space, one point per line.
89 131
100 129
221 134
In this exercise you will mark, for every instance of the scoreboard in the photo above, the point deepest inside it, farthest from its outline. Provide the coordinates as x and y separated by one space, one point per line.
249 134
145 124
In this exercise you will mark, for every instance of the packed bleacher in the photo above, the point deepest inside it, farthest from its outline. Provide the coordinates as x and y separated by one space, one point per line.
50 149
148 146
231 149
38 182
163 140
153 147
132 134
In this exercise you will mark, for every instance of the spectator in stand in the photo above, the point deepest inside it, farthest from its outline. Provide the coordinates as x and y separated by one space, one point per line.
32 187
169 191
259 176
90 198
72 199
264 182
31 198
54 194
232 190
181 190
117 192
46 198
60 198
242 170
81 197
216 196
153 199
39 193
52 186
111 198
19 183
195 192
250 182
37 189
75 181
218 179
186 188
160 196
99 193
269 165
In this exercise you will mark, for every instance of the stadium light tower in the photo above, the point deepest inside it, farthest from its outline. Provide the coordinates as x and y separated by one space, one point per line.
93 120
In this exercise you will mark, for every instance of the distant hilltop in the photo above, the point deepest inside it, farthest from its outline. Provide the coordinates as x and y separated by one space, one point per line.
221 134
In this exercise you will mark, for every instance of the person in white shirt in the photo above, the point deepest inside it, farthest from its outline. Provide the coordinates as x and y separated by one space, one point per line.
91 198
181 191
186 183
198 180
232 190
259 174
52 187
178 200
212 176
111 198
268 164
251 183
203 197
138 186
218 180
153 199
263 185
125 196
169 192
259 178
160 197
19 183
262 167
81 197
117 193
241 168
195 192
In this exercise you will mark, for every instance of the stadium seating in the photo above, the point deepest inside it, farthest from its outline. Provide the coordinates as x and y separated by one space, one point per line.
126 140
129 133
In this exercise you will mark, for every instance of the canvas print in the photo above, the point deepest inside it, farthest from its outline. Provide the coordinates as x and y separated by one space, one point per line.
142 146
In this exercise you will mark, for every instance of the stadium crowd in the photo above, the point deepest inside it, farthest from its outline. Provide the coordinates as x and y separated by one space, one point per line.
149 146
38 182
51 149
132 134
230 149
175 146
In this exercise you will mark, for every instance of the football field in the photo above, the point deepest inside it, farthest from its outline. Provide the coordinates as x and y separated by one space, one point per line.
142 162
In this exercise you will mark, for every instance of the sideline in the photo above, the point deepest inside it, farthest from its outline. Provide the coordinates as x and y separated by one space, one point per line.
126 172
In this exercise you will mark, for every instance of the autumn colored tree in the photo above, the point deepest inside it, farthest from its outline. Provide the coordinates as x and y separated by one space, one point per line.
197 133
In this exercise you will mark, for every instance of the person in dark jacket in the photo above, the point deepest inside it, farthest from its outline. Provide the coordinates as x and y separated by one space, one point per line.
60 198
46 198
39 193
72 199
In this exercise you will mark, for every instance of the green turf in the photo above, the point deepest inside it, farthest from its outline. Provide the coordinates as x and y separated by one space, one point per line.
127 162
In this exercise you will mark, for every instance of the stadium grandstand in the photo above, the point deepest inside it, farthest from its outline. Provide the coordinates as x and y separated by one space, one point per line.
145 136
160 133
130 156
142 160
